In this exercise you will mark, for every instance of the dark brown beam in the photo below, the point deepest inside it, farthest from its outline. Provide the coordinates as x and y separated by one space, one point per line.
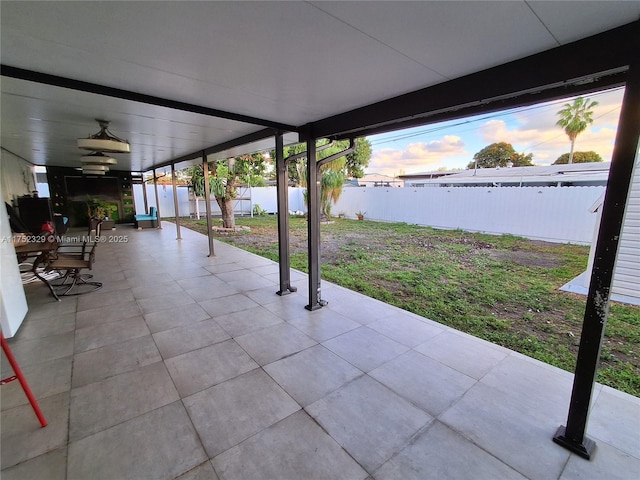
155 187
282 184
175 200
221 147
614 80
313 227
581 61
207 199
57 81
596 312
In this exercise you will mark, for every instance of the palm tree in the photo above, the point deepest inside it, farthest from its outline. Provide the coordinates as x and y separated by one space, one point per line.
575 118
334 173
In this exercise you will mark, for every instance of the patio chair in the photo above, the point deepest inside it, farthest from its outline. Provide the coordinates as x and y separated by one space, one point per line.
60 223
149 220
72 260
95 224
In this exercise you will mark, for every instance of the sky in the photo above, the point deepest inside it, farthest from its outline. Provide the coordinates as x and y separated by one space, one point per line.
452 145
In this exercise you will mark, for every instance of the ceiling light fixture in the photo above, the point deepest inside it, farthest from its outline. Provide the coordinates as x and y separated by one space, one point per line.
98 158
104 141
94 169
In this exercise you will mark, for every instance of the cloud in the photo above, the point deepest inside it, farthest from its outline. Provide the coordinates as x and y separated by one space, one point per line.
545 116
548 143
417 156
530 130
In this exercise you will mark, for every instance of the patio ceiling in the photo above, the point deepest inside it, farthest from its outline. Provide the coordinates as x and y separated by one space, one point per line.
219 71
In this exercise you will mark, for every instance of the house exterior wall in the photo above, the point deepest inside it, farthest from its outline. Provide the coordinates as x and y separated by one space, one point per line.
626 276
17 177
13 302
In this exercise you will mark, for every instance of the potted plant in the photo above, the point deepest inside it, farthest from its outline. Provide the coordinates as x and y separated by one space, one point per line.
360 215
102 210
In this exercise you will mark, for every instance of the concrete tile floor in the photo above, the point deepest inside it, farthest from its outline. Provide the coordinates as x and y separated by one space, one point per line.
190 367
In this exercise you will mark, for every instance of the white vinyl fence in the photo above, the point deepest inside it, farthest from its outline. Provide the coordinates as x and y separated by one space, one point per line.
265 197
554 214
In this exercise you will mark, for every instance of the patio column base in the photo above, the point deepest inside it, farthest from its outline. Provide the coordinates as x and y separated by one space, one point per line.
286 291
585 449
317 306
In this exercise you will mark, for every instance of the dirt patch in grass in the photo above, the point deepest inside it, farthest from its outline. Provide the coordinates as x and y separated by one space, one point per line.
534 259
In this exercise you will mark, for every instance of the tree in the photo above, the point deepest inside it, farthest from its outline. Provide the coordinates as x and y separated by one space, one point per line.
359 159
499 155
333 174
355 164
225 176
578 157
575 118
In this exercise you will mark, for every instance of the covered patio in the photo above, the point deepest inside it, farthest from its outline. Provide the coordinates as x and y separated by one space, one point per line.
187 359
188 366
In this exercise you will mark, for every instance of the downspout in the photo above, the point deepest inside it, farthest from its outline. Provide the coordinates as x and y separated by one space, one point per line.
313 225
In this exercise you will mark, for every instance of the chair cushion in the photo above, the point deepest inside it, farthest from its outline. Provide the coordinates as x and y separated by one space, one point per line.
152 215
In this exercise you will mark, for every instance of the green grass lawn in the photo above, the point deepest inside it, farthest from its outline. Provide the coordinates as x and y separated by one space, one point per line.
503 289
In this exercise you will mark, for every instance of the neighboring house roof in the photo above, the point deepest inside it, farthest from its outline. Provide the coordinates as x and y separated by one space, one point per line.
578 173
435 174
379 180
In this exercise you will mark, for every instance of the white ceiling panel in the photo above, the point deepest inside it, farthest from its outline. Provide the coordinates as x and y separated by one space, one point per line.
42 123
450 38
254 59
286 62
591 17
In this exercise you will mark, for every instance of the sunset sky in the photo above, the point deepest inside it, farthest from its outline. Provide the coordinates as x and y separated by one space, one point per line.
529 129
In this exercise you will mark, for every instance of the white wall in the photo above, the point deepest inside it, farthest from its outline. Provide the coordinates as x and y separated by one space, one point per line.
13 303
17 176
17 179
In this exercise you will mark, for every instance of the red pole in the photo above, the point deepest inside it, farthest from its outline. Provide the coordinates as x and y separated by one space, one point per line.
23 382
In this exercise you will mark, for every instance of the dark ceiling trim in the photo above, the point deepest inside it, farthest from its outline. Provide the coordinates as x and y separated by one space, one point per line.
572 64
221 147
526 99
55 80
